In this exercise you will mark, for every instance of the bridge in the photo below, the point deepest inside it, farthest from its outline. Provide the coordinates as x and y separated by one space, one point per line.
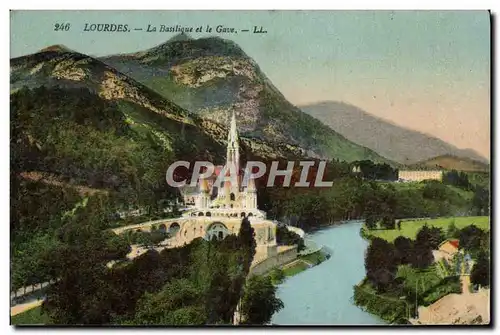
184 229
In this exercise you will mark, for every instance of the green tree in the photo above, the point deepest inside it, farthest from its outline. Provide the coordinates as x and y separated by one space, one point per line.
452 231
247 242
480 274
404 249
287 237
381 261
259 301
180 302
277 275
425 242
470 238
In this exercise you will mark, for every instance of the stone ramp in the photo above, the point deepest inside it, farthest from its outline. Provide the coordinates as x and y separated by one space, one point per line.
454 309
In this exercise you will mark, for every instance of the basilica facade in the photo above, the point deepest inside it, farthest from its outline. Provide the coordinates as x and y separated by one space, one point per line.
226 197
216 210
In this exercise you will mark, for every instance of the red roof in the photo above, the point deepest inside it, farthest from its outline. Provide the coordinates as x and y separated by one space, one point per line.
454 243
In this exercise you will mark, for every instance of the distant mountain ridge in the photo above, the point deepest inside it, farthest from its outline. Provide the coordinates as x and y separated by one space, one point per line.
450 162
212 77
397 143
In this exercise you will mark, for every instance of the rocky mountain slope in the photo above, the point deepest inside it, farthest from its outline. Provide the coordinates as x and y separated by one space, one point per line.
85 123
212 77
397 143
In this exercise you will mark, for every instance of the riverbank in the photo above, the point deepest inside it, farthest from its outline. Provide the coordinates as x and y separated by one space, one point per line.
410 227
302 263
416 295
322 295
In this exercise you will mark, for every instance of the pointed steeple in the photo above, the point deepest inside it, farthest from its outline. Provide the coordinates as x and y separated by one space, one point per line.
232 138
233 149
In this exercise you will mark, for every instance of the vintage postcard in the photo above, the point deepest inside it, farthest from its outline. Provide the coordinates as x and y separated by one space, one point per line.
233 168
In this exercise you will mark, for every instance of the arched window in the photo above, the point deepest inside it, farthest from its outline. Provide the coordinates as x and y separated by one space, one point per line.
242 214
200 214
208 214
232 197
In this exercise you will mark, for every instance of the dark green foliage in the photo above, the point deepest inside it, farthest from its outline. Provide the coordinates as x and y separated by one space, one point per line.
411 287
277 275
452 231
390 309
404 249
246 237
458 179
435 237
179 302
200 283
480 274
427 240
422 256
434 190
381 264
374 171
355 198
389 222
371 222
470 238
287 237
481 201
147 239
259 301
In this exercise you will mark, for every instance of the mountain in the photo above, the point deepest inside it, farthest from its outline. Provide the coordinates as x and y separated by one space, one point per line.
394 142
81 122
450 162
212 77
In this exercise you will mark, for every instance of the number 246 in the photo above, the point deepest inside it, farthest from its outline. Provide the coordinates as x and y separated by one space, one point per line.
62 27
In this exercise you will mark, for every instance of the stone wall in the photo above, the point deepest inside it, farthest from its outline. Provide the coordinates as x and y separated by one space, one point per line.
285 255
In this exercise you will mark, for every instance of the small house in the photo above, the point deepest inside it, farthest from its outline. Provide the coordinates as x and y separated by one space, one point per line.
446 250
449 246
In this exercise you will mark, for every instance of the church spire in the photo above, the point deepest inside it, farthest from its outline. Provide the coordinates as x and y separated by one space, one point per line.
232 138
233 146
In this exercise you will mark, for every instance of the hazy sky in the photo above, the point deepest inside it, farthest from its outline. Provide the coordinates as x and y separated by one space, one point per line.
428 71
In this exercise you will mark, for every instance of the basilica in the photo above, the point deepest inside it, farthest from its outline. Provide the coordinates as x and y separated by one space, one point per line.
225 198
215 210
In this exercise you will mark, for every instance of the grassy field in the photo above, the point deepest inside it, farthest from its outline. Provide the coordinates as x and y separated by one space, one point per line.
294 269
411 228
33 316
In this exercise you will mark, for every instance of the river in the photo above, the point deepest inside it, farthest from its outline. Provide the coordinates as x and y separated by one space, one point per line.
322 295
